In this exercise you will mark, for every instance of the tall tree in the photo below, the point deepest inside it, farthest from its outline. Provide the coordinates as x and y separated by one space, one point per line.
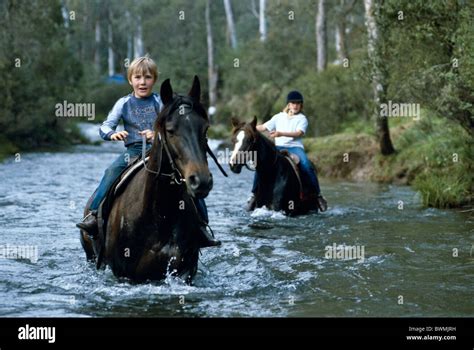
378 76
230 24
321 36
342 11
211 68
129 36
97 46
262 25
110 50
138 39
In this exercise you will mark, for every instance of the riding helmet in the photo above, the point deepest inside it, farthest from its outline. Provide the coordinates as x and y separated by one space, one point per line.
294 96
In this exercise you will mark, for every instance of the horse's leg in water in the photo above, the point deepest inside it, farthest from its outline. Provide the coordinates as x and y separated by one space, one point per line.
286 189
85 239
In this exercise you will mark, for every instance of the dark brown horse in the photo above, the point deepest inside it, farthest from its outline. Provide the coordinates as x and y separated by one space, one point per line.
153 227
278 186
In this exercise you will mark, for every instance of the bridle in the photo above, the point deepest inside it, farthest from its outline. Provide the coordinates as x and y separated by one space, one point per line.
251 148
175 175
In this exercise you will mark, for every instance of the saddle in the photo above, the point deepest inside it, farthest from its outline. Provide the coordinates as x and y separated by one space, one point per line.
294 160
306 197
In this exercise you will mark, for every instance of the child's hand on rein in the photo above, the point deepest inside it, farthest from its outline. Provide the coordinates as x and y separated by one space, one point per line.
149 134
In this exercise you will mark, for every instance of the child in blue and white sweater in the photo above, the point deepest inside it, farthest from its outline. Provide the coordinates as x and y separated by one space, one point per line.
138 111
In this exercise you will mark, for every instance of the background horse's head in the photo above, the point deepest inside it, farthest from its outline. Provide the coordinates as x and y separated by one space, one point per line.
181 130
244 136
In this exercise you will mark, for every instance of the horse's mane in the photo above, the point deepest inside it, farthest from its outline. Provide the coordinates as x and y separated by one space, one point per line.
174 104
267 141
256 135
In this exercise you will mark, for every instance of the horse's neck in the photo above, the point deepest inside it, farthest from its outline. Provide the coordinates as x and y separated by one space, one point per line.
266 155
158 192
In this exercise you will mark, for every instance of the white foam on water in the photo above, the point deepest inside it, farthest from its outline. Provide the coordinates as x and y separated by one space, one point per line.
264 212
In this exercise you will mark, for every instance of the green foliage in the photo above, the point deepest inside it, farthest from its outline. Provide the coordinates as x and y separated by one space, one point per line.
105 96
37 70
334 98
434 156
6 148
430 56
444 188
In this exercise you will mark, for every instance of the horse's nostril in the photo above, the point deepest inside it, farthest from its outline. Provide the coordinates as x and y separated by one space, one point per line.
194 181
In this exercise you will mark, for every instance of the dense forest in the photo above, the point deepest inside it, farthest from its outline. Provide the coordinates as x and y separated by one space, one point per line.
350 59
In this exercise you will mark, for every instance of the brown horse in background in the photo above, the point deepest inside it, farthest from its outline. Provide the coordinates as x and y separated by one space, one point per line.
153 227
278 187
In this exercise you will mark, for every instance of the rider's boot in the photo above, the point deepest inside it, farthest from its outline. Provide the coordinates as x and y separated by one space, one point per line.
251 203
207 238
89 224
322 203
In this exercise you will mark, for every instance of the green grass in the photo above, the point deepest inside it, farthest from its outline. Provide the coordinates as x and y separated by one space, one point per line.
433 155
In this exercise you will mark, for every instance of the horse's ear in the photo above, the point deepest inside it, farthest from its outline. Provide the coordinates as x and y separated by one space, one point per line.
235 122
195 91
166 92
253 123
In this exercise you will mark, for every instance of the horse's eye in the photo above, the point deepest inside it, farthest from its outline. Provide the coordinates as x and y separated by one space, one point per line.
170 131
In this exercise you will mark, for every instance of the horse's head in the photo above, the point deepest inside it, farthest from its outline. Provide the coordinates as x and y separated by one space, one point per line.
181 131
244 136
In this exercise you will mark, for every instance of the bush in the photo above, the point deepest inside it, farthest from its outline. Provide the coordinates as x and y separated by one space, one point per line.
334 98
104 96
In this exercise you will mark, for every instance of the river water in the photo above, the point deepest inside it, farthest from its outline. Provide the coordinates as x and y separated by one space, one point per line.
415 261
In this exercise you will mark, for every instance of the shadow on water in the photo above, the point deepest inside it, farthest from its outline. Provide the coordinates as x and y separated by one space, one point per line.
268 265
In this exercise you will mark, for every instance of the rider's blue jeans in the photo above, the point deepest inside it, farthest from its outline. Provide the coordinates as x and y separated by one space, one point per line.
115 169
307 169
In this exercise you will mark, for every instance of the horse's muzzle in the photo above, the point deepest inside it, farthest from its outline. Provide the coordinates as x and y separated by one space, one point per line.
199 184
236 168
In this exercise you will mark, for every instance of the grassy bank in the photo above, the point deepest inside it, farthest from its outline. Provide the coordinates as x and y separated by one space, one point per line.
69 135
435 157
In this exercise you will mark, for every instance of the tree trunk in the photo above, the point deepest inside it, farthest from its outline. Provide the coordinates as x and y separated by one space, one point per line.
262 27
128 18
379 79
342 12
111 58
341 46
230 24
138 40
65 14
211 69
97 46
321 36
